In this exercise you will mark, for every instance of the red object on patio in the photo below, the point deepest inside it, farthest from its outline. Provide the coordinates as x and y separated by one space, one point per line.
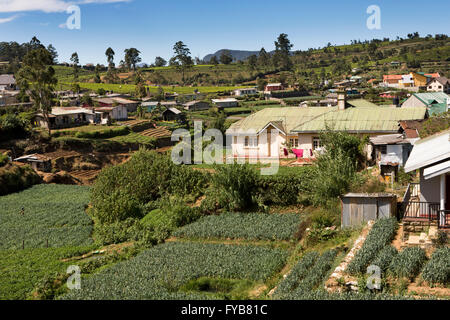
298 152
286 153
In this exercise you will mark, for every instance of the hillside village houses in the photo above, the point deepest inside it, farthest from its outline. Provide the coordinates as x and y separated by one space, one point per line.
441 84
225 103
245 91
270 132
412 81
72 116
196 105
435 102
273 87
7 82
113 101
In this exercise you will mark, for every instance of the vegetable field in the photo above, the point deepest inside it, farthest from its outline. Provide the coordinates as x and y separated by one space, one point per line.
53 213
251 226
24 270
382 233
306 276
158 273
437 270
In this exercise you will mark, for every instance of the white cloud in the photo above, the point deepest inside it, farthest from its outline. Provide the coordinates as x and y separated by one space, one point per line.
9 19
46 5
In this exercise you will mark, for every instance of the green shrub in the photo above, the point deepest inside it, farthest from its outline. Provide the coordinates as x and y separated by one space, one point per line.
4 159
13 127
333 177
437 270
122 191
14 178
408 263
117 232
235 186
284 189
172 214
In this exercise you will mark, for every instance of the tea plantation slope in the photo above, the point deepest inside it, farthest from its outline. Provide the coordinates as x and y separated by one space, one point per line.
251 226
159 272
53 213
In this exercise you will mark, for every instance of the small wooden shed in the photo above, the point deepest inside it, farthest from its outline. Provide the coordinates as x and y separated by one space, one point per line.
358 208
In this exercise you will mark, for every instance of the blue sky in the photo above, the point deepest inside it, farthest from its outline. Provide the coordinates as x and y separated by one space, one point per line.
209 25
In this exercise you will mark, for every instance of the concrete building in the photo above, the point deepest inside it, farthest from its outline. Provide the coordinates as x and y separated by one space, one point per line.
225 103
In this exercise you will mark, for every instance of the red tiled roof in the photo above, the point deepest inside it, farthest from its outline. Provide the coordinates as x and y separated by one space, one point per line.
392 77
433 75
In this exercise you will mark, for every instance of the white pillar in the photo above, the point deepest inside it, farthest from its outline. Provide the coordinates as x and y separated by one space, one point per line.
442 197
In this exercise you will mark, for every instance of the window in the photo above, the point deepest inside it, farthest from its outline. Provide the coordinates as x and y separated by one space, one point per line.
251 142
316 143
293 142
383 149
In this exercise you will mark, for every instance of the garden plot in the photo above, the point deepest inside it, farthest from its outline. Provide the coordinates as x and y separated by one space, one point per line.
249 226
160 272
53 216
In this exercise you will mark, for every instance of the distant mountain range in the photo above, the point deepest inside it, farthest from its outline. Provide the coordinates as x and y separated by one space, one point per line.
236 54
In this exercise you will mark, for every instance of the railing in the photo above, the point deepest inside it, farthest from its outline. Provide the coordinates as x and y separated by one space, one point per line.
444 219
422 210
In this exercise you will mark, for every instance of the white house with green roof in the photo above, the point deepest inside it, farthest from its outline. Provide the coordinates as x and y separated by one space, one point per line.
435 102
270 132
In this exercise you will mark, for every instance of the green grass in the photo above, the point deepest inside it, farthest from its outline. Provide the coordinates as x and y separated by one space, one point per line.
51 212
160 272
254 226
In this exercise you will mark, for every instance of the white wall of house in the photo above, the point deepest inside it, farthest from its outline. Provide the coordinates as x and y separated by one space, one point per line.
413 102
429 189
436 86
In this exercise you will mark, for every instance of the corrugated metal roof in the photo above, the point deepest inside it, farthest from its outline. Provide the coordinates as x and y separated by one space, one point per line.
429 97
437 108
428 151
436 170
289 116
376 119
7 79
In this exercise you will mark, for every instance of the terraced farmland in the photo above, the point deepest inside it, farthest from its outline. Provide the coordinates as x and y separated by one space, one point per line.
160 132
85 174
160 272
53 213
253 226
